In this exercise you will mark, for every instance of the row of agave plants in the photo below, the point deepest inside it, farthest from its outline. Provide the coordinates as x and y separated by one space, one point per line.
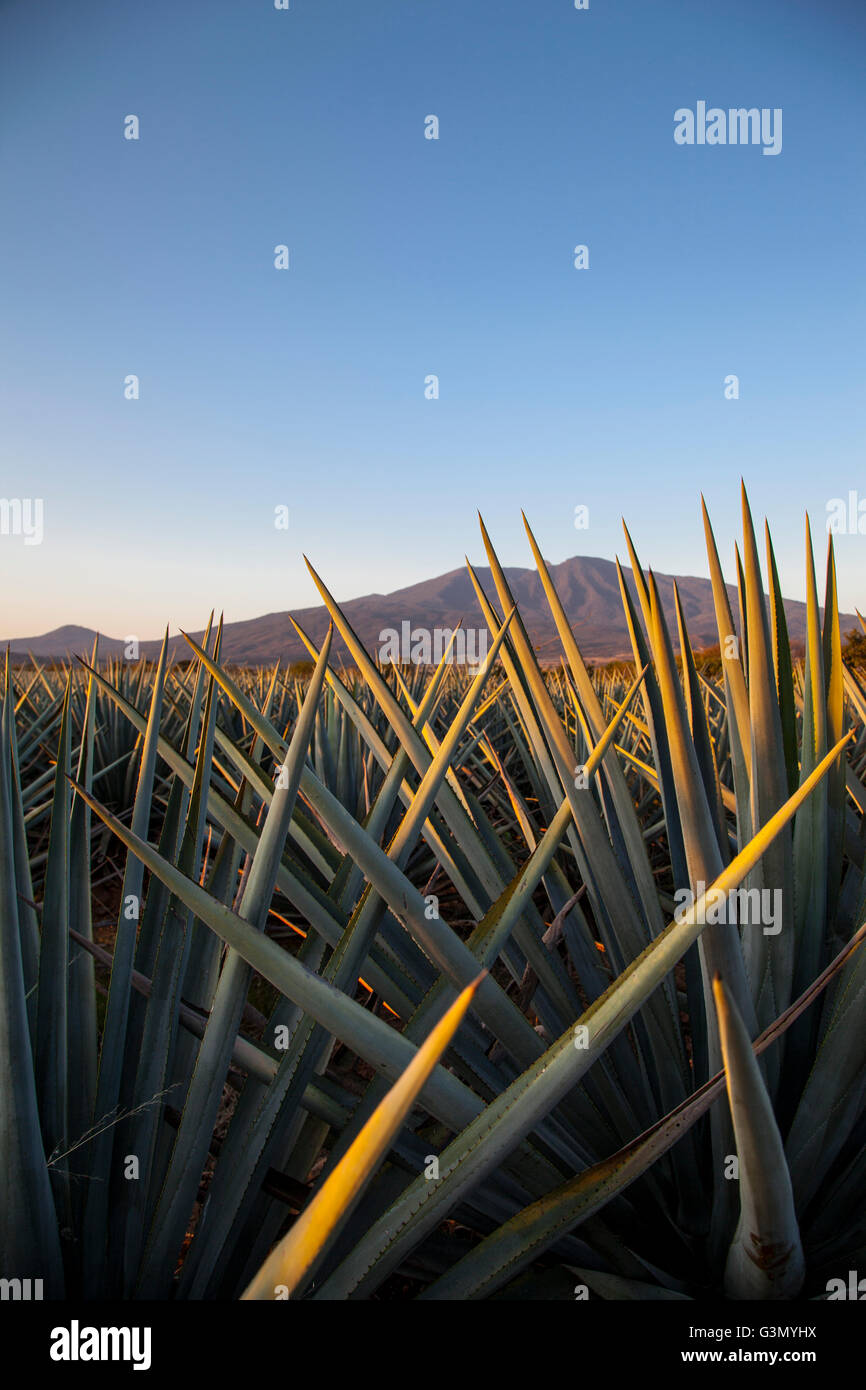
441 983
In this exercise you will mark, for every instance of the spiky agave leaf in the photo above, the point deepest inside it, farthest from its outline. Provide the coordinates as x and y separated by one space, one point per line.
765 1260
296 1257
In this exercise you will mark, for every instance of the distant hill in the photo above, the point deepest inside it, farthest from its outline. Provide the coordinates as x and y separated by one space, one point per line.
588 588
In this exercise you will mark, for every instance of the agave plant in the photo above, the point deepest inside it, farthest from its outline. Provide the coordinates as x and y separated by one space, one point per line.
442 983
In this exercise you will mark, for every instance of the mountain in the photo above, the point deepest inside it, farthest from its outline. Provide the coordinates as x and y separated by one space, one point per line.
588 588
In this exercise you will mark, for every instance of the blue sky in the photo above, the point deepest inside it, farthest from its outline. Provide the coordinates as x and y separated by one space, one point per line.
411 257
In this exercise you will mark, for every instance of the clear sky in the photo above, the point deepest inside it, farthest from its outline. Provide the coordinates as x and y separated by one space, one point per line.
409 257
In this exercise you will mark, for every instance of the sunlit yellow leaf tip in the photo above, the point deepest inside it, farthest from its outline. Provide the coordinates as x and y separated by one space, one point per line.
293 1260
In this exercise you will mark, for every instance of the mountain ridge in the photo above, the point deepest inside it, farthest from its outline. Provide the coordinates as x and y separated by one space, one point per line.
588 587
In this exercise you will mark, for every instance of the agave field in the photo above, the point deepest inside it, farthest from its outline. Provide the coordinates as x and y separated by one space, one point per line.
370 982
